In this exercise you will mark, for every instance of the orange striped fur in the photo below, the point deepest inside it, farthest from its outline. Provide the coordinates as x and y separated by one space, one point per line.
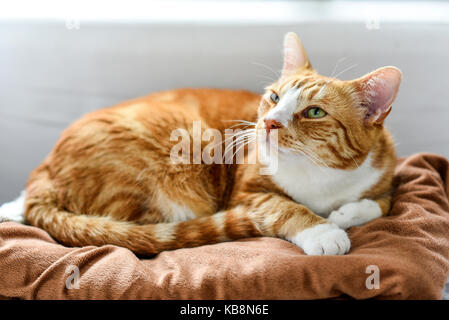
109 179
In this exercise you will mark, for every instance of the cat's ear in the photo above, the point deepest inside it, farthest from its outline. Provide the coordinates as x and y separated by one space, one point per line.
295 56
379 89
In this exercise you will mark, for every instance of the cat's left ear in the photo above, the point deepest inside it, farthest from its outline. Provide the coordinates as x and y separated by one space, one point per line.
379 89
295 56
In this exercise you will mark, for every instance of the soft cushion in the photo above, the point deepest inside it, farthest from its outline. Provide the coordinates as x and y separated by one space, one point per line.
410 248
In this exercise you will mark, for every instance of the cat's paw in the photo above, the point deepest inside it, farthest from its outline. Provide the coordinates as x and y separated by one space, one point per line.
323 239
355 213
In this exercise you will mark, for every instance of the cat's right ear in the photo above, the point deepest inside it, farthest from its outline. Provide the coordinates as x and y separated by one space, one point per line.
295 56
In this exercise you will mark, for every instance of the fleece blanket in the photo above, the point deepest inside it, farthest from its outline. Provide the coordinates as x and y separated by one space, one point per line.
402 256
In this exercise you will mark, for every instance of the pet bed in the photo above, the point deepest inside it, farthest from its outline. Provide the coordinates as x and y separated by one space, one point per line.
409 248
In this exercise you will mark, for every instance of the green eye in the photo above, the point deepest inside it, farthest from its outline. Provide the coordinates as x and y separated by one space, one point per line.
274 97
315 112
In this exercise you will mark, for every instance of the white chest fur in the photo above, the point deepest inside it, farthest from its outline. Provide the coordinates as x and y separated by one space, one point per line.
323 189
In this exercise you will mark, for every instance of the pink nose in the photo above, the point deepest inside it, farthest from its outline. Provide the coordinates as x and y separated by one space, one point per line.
272 124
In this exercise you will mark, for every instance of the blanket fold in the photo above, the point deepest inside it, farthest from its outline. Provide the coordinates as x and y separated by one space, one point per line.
409 249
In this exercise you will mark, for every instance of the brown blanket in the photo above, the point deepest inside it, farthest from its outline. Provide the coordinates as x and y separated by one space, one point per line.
410 249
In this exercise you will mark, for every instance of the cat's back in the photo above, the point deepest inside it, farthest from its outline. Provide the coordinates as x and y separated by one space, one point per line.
158 114
169 110
124 151
213 106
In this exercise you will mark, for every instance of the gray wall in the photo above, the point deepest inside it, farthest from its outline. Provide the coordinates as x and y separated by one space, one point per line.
51 75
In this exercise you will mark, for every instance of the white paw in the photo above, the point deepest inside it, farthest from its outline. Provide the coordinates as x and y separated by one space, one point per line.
323 239
355 213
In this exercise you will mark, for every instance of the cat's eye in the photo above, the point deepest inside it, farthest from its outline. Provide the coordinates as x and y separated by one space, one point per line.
274 97
314 113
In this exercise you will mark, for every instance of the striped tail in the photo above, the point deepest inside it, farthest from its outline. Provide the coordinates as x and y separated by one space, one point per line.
149 239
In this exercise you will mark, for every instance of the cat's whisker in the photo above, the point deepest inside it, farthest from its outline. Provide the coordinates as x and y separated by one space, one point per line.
316 156
354 161
239 140
306 152
297 143
304 148
231 146
245 133
267 77
300 145
323 88
247 142
242 133
345 70
311 154
239 133
243 121
230 138
336 66
243 137
311 159
245 126
239 144
276 74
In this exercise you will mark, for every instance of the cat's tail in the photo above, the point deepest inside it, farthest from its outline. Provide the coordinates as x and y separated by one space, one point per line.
71 229
82 230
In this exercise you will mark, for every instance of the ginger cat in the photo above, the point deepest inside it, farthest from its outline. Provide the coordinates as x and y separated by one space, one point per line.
110 178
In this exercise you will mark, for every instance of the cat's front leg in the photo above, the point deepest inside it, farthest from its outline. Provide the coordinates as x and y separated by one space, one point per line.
281 217
360 212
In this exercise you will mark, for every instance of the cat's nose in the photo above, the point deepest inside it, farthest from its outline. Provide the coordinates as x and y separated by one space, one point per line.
271 124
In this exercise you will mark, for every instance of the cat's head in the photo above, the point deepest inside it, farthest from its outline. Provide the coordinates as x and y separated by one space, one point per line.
333 121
